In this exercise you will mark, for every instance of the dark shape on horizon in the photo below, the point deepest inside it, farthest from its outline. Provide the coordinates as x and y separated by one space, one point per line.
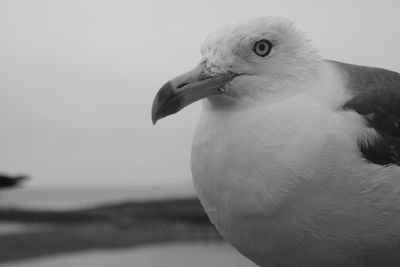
7 181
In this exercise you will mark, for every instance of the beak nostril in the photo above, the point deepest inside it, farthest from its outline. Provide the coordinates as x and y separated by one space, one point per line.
182 85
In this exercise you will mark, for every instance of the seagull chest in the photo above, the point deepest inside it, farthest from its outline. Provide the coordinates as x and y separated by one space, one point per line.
245 162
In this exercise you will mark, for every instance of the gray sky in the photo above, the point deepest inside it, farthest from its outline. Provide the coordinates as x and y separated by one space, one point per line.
77 78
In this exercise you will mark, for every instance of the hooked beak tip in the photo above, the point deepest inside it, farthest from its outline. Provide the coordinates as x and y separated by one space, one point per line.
167 101
154 119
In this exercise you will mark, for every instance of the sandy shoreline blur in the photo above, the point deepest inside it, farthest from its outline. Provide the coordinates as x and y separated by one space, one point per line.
196 254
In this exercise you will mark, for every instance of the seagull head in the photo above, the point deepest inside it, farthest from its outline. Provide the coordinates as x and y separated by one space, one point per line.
250 62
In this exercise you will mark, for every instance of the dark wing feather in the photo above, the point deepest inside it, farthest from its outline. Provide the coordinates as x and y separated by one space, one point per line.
376 96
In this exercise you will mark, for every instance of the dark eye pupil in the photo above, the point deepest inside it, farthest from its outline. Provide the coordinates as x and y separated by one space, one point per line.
261 47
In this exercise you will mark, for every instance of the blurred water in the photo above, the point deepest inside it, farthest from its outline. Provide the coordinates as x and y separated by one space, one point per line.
6 228
57 198
168 255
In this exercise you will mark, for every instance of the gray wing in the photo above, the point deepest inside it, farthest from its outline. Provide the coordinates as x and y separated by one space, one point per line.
376 96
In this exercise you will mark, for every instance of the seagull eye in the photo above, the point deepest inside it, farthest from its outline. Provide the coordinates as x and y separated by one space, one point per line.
262 48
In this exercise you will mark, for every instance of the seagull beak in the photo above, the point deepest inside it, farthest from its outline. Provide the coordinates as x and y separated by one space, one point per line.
186 89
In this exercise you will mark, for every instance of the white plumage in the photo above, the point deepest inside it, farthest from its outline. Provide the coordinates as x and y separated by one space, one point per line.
286 155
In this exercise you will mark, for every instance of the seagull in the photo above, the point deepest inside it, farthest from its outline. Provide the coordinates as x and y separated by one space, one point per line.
295 159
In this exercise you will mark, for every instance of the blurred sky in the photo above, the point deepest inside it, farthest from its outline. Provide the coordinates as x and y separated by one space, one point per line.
77 78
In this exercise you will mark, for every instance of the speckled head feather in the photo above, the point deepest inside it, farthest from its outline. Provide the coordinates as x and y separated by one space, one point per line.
231 47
